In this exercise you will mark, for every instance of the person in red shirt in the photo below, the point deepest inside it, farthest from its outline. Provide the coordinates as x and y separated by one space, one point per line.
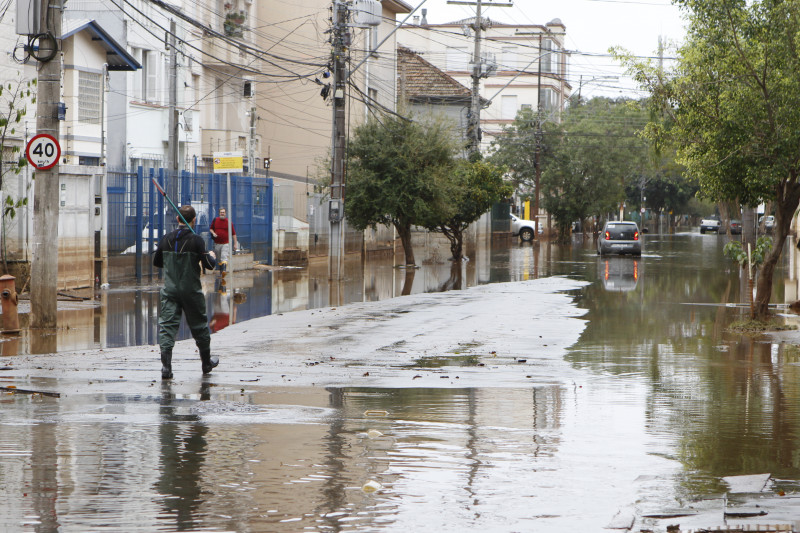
219 232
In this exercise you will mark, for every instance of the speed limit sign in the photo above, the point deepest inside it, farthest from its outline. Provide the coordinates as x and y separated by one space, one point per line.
43 151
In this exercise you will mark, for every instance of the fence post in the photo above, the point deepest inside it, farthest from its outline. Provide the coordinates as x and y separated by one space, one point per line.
270 195
161 222
139 222
151 208
186 191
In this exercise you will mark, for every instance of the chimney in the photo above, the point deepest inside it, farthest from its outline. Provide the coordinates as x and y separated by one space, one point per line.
415 20
424 17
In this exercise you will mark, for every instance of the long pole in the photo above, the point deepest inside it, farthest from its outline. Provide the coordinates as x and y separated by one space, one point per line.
336 215
538 176
474 122
165 195
44 263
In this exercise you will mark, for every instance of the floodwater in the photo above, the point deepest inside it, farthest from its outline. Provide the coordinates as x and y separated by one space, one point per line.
656 404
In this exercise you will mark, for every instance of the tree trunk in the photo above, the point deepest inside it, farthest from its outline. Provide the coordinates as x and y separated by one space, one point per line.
788 197
760 309
456 244
404 232
409 281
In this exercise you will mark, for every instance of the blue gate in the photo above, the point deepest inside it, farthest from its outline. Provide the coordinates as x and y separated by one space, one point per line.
138 216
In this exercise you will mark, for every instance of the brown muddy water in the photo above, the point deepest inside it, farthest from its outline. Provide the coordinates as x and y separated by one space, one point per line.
656 404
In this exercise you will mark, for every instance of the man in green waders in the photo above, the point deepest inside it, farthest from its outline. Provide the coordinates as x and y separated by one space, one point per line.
180 254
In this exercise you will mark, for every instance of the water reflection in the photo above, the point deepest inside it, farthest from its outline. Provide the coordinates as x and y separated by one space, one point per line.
182 437
619 273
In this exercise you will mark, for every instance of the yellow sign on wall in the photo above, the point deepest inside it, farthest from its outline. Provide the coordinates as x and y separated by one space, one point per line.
228 162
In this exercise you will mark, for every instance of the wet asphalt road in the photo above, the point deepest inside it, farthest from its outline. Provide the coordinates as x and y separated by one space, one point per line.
524 406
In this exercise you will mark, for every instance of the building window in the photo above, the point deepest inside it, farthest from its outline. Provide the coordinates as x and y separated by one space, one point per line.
548 99
235 15
90 88
150 74
549 56
508 58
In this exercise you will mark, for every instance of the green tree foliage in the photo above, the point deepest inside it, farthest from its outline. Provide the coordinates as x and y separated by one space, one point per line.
592 162
14 100
515 148
594 155
398 171
733 103
472 189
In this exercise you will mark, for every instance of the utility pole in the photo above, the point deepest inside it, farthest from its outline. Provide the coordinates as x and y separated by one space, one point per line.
537 155
474 119
341 41
44 264
172 148
474 115
251 146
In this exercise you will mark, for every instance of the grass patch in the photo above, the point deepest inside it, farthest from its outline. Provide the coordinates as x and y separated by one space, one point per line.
759 326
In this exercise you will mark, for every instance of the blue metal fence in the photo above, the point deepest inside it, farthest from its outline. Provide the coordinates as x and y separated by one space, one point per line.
138 216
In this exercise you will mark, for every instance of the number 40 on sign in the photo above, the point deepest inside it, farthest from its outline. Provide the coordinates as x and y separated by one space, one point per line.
43 151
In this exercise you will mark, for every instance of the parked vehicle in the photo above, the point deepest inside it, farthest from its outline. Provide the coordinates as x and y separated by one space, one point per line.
710 224
523 228
620 237
736 227
769 223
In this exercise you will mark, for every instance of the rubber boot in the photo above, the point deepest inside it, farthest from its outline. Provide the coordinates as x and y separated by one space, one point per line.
209 361
166 363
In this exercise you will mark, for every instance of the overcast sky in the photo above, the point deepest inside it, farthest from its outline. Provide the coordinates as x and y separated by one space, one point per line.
592 27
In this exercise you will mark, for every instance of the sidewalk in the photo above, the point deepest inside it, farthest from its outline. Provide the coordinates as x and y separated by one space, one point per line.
497 335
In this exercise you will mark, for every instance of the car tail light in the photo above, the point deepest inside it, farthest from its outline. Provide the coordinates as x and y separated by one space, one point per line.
635 235
608 236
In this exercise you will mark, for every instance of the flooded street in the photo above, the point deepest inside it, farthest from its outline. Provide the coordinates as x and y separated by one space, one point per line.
589 392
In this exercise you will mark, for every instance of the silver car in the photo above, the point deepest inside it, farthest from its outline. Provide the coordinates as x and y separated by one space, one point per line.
620 237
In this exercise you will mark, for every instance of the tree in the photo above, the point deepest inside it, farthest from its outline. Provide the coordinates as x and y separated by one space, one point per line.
14 97
397 174
733 103
515 148
473 188
595 153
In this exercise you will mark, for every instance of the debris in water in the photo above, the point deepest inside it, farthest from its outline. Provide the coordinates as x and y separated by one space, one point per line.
751 483
375 412
374 434
13 390
371 486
